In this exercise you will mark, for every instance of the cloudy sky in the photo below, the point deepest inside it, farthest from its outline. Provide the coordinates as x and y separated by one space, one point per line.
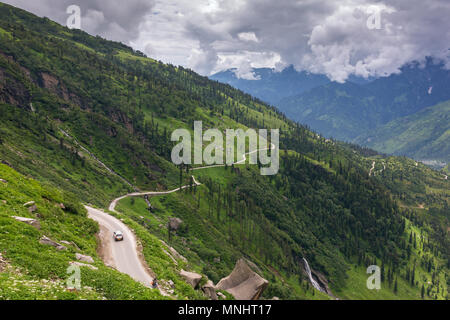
336 38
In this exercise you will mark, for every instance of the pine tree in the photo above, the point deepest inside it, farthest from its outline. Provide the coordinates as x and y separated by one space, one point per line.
395 286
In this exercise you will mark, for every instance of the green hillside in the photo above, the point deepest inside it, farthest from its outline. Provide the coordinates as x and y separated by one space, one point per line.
30 270
424 135
92 118
341 111
402 114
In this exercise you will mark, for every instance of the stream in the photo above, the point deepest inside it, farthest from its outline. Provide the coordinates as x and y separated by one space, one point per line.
311 278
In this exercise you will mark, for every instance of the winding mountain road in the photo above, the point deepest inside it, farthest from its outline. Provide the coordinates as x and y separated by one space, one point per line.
112 205
125 255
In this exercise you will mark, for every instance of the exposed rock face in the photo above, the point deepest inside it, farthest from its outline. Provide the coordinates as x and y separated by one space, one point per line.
253 266
319 278
47 241
32 222
191 277
210 291
83 258
174 223
13 91
243 283
55 86
323 282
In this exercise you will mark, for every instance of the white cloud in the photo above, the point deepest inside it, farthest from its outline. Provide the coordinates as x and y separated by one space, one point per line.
322 36
112 19
248 36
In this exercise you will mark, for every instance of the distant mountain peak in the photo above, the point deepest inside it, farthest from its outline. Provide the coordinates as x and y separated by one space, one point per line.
271 85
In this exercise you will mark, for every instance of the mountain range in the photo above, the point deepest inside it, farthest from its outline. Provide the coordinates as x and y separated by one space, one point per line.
357 110
85 126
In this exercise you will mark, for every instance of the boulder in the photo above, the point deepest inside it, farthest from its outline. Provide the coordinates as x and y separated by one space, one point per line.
47 241
32 222
243 283
191 277
79 264
253 266
70 244
174 223
209 290
31 206
82 257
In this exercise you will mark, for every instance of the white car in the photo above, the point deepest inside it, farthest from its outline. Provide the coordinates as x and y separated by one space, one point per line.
118 235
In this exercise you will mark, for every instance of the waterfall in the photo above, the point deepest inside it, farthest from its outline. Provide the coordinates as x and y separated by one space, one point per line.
313 281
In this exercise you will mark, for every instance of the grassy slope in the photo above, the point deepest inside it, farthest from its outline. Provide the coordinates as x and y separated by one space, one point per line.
206 242
210 250
424 135
37 271
48 161
58 168
425 195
